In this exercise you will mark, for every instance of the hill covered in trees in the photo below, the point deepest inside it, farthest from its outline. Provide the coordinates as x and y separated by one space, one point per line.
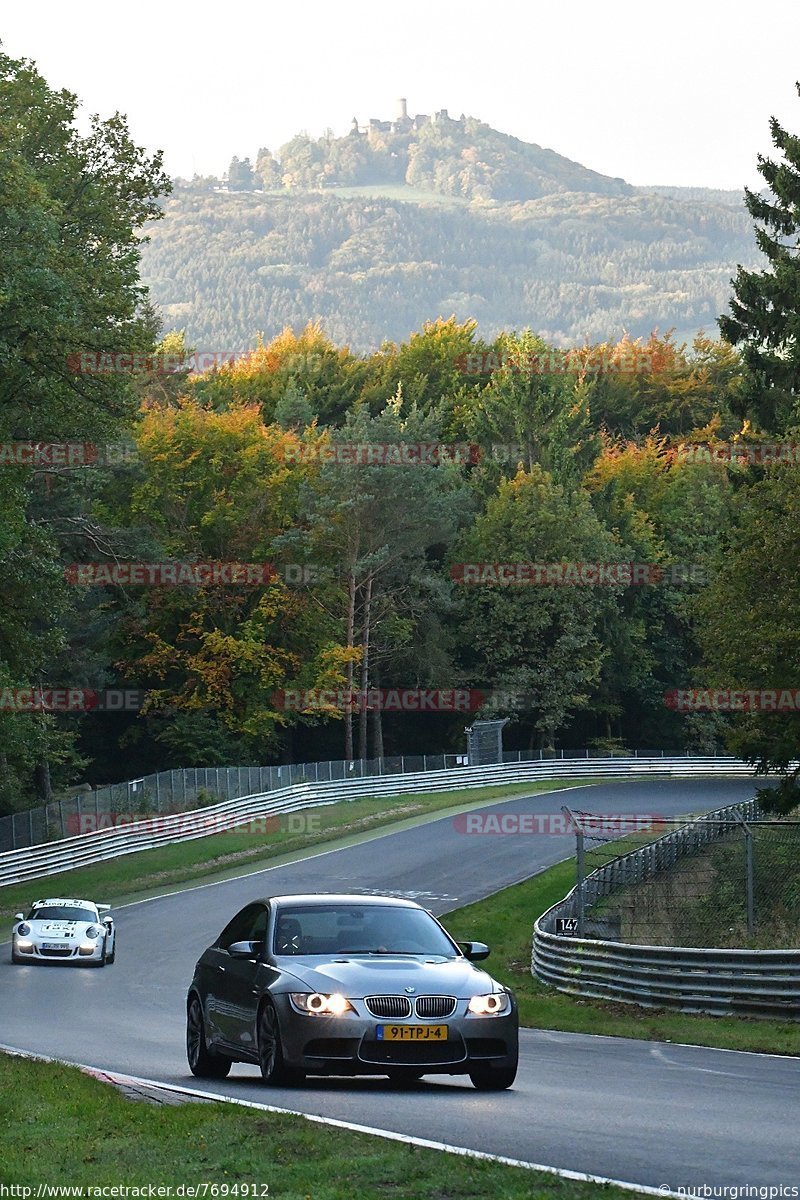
378 231
237 562
464 158
570 265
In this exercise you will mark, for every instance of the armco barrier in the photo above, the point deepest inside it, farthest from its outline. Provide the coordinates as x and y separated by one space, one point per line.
717 981
34 862
189 788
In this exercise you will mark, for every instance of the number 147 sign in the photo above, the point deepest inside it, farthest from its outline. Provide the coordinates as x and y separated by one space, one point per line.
567 926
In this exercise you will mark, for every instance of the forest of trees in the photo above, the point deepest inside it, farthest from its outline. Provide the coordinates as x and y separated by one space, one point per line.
576 457
573 266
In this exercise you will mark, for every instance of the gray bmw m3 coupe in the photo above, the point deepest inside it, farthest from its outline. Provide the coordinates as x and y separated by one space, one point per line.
348 985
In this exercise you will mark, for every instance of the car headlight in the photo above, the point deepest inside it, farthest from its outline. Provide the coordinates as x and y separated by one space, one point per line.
93 932
496 1004
318 1004
22 930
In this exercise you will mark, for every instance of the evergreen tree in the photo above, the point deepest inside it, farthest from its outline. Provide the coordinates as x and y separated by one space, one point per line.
765 311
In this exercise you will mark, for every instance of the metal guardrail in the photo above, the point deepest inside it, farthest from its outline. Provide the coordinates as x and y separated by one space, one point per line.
189 788
35 862
717 981
192 787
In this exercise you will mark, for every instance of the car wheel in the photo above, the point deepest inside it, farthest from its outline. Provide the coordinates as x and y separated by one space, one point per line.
203 1062
16 958
112 956
270 1050
493 1079
101 962
404 1078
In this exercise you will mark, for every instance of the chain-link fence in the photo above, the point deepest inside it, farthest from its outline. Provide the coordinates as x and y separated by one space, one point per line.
195 787
180 791
727 879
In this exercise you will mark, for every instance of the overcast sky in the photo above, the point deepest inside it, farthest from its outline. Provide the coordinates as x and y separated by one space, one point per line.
675 93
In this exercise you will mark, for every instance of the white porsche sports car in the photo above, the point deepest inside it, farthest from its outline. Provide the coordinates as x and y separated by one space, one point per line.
69 930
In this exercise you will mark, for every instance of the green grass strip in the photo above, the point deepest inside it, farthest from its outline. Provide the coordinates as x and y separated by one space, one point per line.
224 855
62 1127
505 922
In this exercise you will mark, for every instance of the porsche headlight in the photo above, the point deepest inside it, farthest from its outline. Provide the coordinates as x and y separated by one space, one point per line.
496 1004
93 932
22 930
321 1005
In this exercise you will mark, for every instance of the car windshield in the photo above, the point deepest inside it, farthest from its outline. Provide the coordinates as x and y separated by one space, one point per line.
61 913
351 929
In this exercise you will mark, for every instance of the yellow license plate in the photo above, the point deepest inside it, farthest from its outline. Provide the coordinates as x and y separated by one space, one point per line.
412 1033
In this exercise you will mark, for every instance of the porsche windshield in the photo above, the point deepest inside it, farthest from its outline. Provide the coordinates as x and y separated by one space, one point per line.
51 913
371 929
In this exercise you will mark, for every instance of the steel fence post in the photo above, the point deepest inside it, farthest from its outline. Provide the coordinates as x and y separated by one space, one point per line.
581 871
748 844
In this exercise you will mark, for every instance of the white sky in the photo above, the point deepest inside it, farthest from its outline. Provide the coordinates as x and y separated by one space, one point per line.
676 93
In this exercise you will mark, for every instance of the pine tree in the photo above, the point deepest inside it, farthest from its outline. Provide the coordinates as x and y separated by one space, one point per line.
765 312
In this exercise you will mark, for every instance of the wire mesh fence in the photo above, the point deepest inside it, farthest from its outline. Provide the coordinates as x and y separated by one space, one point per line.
194 787
184 790
727 879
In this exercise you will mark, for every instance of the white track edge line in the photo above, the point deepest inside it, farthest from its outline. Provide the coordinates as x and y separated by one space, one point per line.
352 1127
321 853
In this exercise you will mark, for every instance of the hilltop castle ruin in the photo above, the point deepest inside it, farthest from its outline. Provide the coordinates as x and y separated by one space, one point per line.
403 123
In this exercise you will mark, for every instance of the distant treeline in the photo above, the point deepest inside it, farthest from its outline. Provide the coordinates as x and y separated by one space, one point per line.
572 266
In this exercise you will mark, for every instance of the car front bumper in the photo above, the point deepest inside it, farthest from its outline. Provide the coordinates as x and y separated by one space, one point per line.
350 1045
70 951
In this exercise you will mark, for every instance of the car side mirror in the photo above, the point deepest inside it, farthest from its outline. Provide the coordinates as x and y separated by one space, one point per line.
19 916
244 949
475 951
108 921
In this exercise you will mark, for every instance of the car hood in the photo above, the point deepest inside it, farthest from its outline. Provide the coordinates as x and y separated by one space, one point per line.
389 975
71 928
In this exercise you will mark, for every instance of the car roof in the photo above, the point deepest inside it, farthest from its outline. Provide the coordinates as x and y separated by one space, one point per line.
308 899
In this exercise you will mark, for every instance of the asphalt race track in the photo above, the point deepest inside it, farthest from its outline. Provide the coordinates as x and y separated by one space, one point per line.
646 1113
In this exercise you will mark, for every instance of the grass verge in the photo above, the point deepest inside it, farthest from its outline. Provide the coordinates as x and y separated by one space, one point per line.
61 1127
219 854
505 921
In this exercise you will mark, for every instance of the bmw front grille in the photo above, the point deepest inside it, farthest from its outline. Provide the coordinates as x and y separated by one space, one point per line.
394 1007
435 1006
389 1006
